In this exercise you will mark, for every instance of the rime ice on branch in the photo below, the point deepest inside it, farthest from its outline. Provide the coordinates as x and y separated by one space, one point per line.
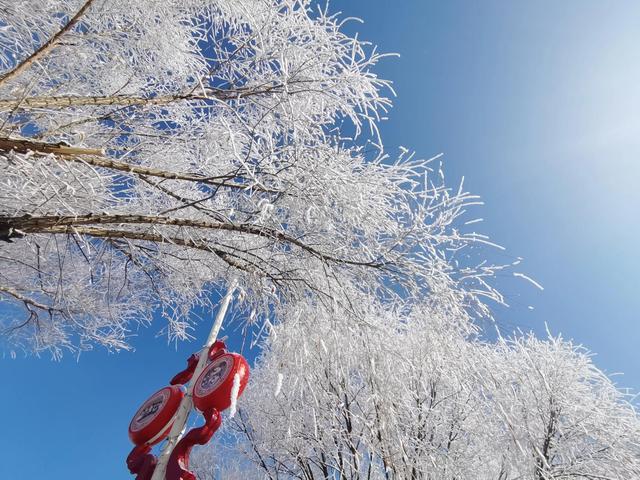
149 150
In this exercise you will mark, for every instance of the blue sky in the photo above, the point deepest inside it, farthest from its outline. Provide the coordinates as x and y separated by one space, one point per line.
535 104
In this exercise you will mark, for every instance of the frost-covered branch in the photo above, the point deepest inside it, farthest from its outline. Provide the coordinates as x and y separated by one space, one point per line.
151 149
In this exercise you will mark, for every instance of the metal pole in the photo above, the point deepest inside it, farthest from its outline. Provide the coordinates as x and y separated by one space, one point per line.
186 405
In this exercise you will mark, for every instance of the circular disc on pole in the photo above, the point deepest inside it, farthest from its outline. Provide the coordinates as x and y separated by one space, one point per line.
152 421
214 386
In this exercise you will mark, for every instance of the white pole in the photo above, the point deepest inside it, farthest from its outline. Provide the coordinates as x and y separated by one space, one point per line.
186 405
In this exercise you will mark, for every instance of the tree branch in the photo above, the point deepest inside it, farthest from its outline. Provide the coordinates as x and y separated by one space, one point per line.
67 101
53 223
45 47
23 146
94 157
17 295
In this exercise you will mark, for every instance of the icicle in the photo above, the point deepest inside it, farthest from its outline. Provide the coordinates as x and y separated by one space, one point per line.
235 389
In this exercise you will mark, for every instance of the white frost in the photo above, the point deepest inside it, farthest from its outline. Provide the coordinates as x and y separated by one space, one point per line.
278 385
235 390
528 279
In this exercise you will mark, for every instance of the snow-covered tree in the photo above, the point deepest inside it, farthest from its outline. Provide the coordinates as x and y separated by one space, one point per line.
557 415
150 151
392 396
418 395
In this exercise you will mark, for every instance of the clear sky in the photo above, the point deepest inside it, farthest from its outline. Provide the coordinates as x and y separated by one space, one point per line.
536 103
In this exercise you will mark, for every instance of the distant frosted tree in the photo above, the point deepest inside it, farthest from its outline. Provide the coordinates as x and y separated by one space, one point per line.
392 396
416 395
152 150
557 415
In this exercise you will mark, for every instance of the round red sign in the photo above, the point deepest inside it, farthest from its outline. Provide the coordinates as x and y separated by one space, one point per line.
214 386
153 419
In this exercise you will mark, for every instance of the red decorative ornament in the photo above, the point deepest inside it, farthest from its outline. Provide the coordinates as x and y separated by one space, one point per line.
185 375
224 377
153 420
141 462
217 349
178 466
214 386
